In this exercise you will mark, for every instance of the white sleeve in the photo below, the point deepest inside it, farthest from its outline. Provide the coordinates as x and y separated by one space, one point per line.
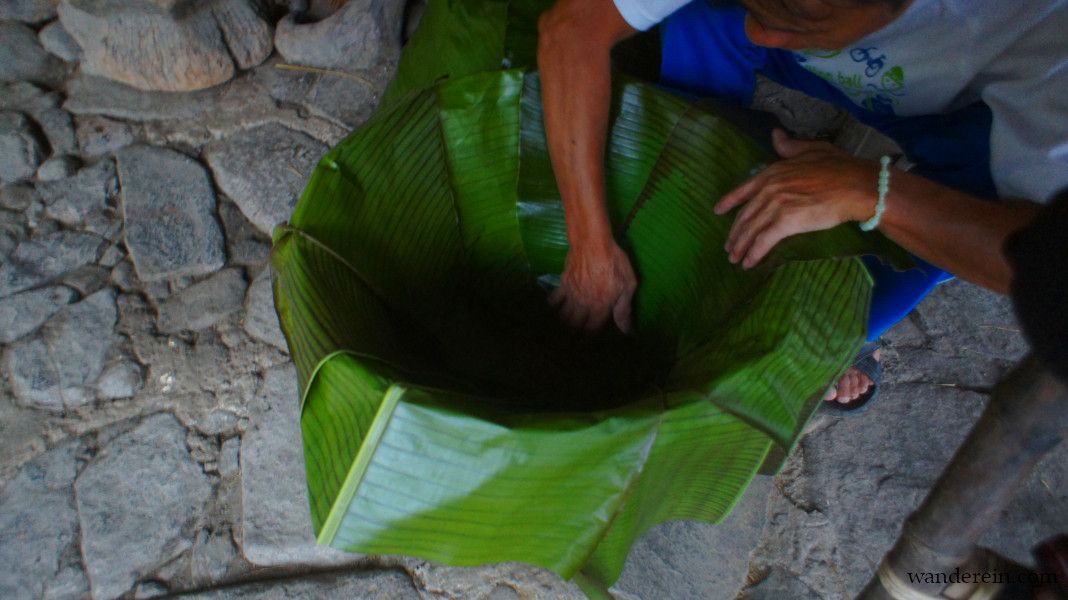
1027 91
643 14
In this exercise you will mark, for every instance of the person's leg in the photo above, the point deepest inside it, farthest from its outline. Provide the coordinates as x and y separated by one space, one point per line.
896 293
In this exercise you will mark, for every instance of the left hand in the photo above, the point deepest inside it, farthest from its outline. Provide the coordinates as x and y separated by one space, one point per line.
815 187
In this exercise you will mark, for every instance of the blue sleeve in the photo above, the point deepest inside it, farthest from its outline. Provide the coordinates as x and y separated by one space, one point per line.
705 52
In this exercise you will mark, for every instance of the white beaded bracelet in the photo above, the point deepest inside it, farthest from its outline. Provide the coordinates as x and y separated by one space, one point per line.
884 189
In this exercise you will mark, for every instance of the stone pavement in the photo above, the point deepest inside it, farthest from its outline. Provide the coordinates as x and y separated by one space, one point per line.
149 440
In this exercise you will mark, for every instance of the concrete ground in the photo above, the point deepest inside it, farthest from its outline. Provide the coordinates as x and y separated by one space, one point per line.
149 440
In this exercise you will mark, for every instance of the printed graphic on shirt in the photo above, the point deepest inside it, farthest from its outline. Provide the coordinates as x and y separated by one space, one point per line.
869 83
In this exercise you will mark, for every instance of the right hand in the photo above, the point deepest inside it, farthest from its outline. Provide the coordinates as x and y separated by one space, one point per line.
596 283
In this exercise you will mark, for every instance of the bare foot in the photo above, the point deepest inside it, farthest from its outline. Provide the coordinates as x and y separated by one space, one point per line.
852 385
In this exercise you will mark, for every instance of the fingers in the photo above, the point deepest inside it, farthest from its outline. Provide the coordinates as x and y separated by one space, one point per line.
740 194
745 230
779 229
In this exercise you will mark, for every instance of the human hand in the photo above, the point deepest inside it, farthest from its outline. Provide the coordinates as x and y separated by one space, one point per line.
816 187
597 281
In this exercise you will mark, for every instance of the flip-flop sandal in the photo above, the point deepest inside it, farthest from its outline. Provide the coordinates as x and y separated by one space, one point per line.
866 364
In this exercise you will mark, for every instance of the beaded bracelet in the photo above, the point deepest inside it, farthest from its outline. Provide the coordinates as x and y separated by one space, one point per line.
884 189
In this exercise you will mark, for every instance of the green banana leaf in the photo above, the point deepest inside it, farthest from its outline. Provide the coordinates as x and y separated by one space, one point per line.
447 413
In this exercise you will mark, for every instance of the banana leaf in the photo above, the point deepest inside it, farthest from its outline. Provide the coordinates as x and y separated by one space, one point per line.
447 414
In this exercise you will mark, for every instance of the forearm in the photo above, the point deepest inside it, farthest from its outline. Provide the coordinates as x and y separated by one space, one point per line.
574 62
955 231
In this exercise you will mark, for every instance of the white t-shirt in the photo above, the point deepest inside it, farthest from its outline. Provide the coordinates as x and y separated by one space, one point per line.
941 55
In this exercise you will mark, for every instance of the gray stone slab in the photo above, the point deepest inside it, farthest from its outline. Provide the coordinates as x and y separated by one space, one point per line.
58 368
25 59
371 584
261 319
480 582
28 11
135 500
973 339
58 42
37 522
87 196
21 151
839 503
276 524
43 258
24 312
169 210
203 304
683 559
264 170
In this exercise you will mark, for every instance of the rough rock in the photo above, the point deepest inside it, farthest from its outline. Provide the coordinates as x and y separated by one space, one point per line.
340 98
203 304
28 11
12 232
85 200
360 35
276 522
21 150
43 107
194 44
57 369
134 501
56 168
169 207
58 128
685 559
25 59
26 97
42 258
22 313
57 41
120 380
89 95
361 585
187 49
37 522
230 457
98 136
17 197
264 170
248 35
261 320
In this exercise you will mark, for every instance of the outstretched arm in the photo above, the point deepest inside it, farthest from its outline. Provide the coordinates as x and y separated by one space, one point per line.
819 186
574 45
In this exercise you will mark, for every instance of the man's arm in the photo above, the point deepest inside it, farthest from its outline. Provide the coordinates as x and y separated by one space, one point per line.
819 186
574 46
